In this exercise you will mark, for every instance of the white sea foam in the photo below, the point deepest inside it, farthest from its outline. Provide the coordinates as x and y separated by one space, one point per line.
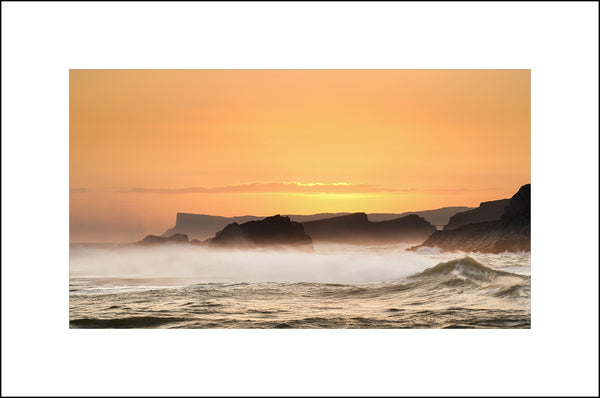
328 264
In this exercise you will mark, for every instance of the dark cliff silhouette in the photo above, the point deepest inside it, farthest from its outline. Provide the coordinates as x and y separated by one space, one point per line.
274 232
356 228
438 217
518 212
487 211
511 233
151 240
199 227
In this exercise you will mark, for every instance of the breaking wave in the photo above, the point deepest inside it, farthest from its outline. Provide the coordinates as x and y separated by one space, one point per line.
467 272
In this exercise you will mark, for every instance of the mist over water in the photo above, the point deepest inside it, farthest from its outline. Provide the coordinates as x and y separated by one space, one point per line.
337 286
328 264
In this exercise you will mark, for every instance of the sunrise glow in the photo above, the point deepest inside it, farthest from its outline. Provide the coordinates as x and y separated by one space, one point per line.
146 144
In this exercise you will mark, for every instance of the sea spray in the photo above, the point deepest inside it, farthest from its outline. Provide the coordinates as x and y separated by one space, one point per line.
337 286
328 264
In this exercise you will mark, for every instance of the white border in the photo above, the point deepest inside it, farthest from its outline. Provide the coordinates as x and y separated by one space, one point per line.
557 41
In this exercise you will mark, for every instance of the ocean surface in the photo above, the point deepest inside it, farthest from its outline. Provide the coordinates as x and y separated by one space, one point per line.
337 286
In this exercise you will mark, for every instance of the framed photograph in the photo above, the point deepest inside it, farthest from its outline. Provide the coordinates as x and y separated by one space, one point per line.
250 198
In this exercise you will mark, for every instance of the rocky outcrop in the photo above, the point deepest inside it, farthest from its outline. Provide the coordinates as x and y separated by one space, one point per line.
487 211
485 237
356 228
518 212
272 232
202 226
151 240
438 217
511 233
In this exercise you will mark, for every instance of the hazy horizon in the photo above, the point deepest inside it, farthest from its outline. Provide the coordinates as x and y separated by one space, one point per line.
141 235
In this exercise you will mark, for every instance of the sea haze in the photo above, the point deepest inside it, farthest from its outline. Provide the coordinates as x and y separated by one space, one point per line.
337 286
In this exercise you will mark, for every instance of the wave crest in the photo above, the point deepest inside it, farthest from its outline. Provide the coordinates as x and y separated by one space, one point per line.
466 268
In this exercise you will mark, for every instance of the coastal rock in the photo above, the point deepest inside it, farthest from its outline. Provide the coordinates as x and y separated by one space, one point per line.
518 212
487 211
356 228
275 231
485 237
201 226
438 217
511 233
150 240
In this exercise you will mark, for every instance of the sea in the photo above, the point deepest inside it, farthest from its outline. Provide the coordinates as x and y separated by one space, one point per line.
335 287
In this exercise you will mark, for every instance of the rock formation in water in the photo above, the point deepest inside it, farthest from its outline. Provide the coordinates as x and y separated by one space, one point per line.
512 232
356 228
273 232
151 240
438 217
201 226
487 211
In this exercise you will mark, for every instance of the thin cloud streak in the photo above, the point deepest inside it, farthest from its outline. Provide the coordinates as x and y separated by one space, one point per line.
450 191
274 187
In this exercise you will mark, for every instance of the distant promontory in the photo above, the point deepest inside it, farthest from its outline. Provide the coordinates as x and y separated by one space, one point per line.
202 226
487 211
493 227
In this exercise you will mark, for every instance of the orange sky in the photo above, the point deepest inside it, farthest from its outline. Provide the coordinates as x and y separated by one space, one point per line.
145 144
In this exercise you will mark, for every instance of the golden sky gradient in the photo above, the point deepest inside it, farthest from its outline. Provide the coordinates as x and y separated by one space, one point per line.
146 144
